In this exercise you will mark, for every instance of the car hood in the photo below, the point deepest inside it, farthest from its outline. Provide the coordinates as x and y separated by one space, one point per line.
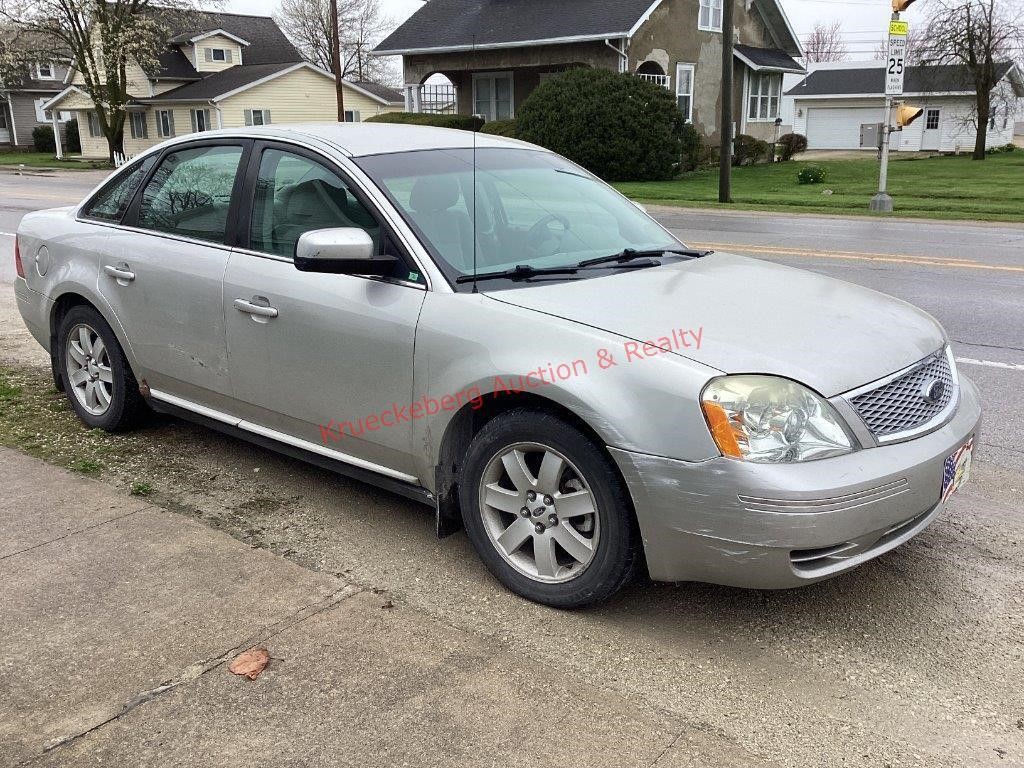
755 316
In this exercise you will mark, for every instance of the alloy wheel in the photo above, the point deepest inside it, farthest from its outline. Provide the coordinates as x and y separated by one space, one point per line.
87 362
539 512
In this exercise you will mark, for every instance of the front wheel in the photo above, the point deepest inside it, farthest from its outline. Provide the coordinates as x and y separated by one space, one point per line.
547 512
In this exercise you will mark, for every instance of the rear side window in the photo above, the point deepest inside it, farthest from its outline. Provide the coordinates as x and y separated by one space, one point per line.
190 193
112 201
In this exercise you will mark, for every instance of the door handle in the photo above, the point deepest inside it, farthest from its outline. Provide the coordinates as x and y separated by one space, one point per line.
119 273
255 309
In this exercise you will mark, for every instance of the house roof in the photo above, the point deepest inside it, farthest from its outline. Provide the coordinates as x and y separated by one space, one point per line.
463 25
227 80
768 59
381 92
267 44
870 81
174 65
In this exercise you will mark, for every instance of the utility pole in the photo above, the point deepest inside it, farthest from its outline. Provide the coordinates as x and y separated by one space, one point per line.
336 60
725 130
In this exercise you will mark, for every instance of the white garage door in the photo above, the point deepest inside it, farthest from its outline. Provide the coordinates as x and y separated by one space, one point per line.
838 127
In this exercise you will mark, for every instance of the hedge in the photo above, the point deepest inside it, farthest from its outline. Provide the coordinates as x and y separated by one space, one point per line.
461 122
505 128
42 139
617 126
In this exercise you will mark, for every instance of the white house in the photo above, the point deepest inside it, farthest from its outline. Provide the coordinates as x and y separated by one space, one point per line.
835 101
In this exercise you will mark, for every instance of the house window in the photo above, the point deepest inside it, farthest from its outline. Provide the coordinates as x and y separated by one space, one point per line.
44 71
765 88
492 95
709 18
137 123
352 116
164 123
931 121
94 125
684 90
200 120
259 117
218 54
40 112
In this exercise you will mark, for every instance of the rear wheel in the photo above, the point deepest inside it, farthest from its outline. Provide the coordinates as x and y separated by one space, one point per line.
547 512
97 379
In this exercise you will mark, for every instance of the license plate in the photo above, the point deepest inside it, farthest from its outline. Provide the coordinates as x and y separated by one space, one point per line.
957 469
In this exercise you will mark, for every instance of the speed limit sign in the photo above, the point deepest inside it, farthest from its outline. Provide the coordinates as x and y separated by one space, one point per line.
895 64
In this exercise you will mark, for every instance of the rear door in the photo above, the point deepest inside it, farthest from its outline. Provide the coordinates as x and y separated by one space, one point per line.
163 269
324 359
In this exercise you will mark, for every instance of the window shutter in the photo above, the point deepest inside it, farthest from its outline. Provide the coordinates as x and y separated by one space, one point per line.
145 125
192 114
207 125
266 117
227 55
209 54
170 122
248 117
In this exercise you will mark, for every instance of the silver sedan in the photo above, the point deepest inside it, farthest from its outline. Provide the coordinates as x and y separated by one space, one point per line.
483 326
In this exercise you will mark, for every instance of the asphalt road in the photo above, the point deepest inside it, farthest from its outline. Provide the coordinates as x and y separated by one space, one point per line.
913 659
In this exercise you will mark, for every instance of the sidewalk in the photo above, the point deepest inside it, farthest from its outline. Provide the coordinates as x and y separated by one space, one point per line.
119 621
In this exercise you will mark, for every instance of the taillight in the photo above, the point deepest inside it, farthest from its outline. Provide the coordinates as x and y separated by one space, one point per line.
18 266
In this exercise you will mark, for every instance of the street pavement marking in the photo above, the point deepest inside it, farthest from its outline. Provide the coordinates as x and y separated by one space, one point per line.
990 363
895 258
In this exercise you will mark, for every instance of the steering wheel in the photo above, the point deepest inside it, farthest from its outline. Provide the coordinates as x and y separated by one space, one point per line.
542 233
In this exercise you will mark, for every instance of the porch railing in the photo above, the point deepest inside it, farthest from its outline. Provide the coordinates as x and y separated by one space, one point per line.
665 81
432 98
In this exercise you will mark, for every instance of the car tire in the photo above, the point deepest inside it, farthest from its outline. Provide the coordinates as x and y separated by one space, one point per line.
566 558
96 376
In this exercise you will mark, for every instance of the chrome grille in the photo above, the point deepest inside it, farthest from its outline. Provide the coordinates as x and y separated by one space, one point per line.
899 405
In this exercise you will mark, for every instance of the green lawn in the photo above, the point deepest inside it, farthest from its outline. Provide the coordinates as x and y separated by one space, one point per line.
46 160
934 188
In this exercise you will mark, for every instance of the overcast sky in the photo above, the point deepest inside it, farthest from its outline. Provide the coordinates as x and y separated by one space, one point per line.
864 22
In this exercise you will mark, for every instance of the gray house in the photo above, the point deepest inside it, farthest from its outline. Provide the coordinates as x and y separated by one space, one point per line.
493 53
21 102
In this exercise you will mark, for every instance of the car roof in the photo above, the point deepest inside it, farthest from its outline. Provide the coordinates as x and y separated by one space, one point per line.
360 139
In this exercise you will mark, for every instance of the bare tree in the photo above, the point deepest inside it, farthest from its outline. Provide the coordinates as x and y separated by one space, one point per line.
361 24
825 43
979 35
103 38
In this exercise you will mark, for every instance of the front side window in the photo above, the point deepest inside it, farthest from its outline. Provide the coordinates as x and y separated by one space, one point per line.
528 208
294 195
932 120
765 92
684 90
94 125
200 120
352 116
190 193
492 95
137 121
709 17
112 201
40 112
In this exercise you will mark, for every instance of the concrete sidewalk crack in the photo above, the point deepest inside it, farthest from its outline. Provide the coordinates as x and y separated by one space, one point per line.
197 670
69 534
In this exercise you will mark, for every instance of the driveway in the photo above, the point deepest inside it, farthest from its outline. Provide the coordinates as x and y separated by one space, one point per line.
914 659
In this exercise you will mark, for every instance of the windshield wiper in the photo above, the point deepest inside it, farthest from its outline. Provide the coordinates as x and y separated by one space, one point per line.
629 254
518 272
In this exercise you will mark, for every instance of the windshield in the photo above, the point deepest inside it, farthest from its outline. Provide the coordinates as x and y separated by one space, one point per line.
531 208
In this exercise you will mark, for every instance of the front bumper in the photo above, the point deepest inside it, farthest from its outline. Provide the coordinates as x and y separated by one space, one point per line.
773 526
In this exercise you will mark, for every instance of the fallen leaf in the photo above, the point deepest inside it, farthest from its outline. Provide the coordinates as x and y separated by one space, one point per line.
250 663
387 606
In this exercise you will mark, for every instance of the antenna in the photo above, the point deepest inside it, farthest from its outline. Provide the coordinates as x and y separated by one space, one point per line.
473 126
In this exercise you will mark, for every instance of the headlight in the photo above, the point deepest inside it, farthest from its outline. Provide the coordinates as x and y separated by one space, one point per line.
767 419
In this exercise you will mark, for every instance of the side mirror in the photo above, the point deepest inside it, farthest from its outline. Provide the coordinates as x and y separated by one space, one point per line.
340 251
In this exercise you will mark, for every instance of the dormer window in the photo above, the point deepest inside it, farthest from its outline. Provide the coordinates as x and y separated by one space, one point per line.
219 54
44 71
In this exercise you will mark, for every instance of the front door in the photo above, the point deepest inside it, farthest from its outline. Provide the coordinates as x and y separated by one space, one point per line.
325 359
931 132
162 272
